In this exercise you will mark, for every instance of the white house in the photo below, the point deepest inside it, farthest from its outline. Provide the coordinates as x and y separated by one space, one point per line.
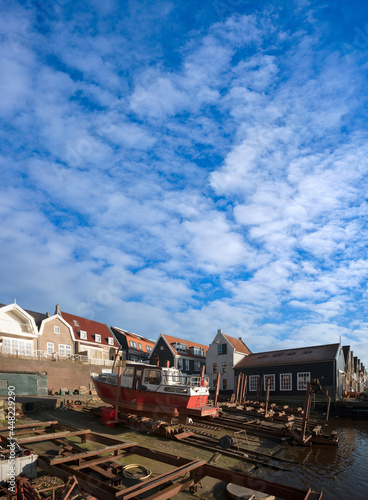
222 355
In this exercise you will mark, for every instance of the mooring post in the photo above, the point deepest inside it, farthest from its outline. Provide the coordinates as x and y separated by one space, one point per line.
118 393
217 387
268 384
238 385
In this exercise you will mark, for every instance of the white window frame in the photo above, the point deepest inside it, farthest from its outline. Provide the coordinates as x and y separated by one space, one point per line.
57 329
186 361
197 366
180 363
140 346
97 338
82 335
133 344
272 383
289 378
149 348
302 380
253 383
65 350
50 348
110 340
17 346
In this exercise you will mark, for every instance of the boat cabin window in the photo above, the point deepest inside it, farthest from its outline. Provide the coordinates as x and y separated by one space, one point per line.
128 372
152 377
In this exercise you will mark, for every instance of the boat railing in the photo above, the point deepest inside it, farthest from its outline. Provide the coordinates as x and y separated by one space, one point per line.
184 379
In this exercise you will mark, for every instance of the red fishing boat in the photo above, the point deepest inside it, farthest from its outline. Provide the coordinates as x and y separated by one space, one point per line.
155 391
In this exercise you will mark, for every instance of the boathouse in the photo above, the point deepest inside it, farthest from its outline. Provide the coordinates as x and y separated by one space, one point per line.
290 370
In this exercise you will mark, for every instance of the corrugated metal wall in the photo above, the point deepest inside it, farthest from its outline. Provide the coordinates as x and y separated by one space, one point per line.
26 384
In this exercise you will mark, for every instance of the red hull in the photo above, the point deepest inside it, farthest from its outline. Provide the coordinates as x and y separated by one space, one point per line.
154 403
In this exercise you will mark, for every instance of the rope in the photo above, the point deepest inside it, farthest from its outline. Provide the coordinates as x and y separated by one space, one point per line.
130 475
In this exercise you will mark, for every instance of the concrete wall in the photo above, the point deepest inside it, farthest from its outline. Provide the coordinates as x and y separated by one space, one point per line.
60 374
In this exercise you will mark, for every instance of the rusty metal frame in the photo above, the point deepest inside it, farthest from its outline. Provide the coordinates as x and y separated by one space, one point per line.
186 474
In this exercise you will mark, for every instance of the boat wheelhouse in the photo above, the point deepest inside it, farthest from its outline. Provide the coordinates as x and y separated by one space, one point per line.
154 391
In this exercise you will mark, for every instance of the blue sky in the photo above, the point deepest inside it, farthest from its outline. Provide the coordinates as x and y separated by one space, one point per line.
188 166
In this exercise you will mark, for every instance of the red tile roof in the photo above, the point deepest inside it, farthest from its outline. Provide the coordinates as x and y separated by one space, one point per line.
171 340
290 356
91 327
238 344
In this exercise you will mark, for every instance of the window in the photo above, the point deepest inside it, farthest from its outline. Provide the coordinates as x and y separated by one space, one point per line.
83 335
222 349
97 338
128 372
152 377
303 379
214 367
180 364
197 351
110 340
140 347
186 364
180 347
56 329
224 367
285 382
133 344
65 350
253 382
197 366
224 383
272 382
149 348
15 346
50 347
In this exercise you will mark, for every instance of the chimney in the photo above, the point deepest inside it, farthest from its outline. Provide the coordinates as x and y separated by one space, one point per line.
241 338
219 331
48 314
57 310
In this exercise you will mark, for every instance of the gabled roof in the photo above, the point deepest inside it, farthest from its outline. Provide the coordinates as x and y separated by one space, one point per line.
189 343
290 356
91 327
38 317
138 339
238 344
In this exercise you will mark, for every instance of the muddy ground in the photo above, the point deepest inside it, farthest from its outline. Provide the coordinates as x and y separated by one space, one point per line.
82 417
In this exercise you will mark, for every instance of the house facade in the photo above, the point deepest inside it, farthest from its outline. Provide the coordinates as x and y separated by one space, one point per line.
222 355
134 347
185 355
56 337
92 339
290 370
18 331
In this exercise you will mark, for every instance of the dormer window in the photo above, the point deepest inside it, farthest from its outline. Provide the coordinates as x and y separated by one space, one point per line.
197 351
83 335
98 338
178 346
75 322
110 340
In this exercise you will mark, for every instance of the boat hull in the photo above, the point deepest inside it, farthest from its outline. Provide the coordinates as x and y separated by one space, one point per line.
154 404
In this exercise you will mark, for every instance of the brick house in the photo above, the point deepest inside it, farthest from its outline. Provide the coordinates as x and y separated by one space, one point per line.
134 347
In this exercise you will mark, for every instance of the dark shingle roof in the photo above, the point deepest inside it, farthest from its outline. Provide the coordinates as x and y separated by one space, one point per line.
312 354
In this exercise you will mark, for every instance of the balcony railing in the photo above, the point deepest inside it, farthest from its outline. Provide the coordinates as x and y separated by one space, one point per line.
39 354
